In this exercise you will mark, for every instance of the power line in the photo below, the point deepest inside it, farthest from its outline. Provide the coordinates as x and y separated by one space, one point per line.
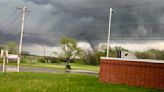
11 27
8 18
6 4
116 24
121 38
12 37
42 34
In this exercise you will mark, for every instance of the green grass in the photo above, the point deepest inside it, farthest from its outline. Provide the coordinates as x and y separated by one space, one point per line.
44 82
75 66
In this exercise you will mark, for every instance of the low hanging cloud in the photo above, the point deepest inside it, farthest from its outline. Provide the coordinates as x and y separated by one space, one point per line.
87 20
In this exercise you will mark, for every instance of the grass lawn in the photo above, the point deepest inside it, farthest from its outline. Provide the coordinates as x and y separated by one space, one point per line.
75 66
44 82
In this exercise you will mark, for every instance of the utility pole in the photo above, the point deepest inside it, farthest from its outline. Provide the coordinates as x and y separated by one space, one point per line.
109 29
44 51
24 10
4 64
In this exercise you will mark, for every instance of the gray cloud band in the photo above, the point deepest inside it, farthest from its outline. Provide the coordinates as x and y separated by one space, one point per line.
87 20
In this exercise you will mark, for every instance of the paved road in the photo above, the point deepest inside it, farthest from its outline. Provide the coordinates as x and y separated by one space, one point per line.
47 70
32 69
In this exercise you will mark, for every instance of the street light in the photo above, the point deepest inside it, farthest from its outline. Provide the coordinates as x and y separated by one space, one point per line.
110 20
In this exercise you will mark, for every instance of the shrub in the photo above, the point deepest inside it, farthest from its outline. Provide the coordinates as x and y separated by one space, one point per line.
28 59
92 58
50 60
151 54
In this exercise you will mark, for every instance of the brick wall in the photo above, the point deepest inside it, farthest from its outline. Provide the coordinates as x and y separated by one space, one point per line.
132 72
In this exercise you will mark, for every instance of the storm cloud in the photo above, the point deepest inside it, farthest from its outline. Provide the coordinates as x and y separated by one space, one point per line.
87 20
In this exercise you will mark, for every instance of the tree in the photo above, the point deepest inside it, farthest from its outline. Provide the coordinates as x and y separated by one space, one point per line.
11 47
70 49
25 53
112 52
91 58
2 47
119 48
